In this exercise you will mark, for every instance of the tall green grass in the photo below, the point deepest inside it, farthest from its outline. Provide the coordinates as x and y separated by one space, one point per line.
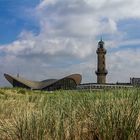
70 115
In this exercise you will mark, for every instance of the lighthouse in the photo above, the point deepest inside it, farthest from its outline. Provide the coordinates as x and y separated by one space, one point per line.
101 71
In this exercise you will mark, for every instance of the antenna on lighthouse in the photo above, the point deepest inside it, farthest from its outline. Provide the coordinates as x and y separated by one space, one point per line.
101 38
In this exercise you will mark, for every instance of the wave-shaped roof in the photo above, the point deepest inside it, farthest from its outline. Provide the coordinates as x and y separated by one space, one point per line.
41 84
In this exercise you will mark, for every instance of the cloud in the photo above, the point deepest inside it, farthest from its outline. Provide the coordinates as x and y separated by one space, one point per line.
67 40
123 64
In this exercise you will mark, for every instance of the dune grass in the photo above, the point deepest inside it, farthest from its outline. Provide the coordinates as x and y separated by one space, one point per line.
70 115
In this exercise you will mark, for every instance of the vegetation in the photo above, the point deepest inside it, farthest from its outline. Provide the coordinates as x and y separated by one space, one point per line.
70 115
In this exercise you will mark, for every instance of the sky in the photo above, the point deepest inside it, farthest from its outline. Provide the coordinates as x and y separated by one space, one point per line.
42 39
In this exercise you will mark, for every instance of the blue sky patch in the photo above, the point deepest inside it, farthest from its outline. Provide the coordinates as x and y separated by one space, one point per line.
14 19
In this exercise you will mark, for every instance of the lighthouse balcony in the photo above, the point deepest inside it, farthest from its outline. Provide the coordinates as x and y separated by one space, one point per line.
101 72
101 50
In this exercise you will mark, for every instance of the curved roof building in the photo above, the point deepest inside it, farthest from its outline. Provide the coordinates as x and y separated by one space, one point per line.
69 82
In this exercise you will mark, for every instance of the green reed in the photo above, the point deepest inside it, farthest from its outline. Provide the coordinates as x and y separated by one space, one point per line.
70 115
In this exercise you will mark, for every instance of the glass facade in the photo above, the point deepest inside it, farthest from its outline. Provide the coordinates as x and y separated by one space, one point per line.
65 84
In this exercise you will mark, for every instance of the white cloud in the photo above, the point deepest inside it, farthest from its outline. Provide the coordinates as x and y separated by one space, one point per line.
123 64
67 40
44 3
